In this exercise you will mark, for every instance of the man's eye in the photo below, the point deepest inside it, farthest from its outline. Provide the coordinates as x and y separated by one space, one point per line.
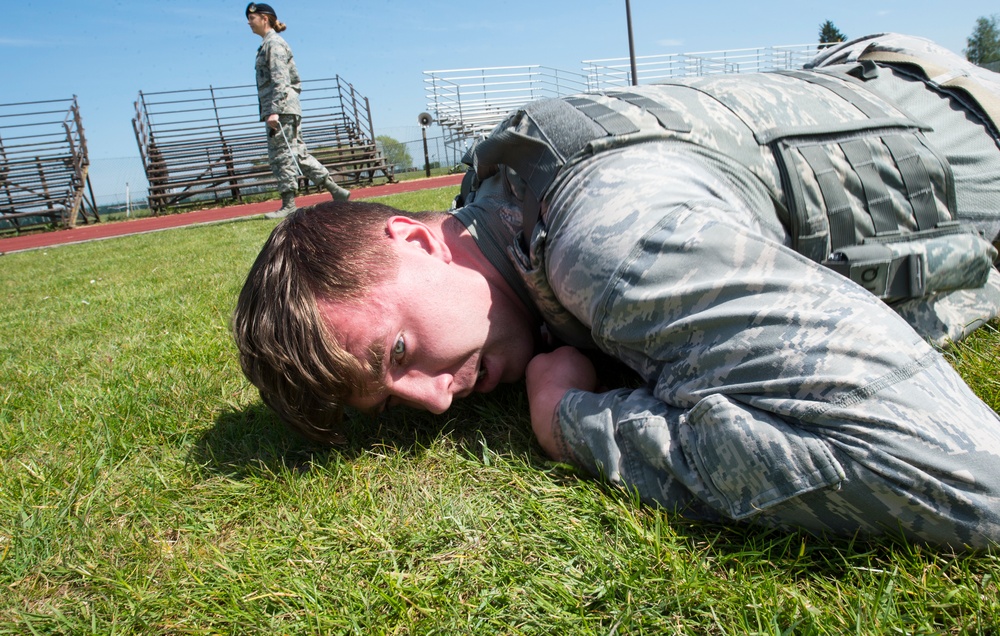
398 349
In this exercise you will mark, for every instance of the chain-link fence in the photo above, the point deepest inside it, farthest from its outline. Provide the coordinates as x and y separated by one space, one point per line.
439 153
119 184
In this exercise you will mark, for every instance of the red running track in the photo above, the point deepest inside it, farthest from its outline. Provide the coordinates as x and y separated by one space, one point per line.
98 231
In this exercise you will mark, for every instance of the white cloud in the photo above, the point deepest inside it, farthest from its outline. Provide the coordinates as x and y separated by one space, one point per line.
14 42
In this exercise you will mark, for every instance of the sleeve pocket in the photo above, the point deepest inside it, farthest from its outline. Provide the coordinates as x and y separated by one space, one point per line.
751 460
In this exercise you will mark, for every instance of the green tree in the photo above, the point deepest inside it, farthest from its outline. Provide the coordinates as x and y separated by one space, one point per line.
395 152
983 46
829 34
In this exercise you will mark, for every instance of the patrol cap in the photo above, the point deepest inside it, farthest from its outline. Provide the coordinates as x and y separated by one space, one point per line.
260 7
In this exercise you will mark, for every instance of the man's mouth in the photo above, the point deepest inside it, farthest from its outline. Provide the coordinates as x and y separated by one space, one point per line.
488 376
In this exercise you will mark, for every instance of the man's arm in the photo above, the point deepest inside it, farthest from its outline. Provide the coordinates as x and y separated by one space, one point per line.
548 377
279 58
774 387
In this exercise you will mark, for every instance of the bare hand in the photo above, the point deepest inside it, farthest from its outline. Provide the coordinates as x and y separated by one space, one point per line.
548 377
272 121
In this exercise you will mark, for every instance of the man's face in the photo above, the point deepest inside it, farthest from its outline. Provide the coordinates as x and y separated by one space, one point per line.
440 330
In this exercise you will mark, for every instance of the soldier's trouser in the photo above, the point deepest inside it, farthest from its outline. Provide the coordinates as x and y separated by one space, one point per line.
284 157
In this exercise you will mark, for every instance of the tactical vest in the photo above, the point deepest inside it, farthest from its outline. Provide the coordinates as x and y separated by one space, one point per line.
851 175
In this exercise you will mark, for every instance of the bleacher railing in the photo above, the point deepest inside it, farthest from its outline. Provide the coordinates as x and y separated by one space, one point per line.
470 102
209 145
616 72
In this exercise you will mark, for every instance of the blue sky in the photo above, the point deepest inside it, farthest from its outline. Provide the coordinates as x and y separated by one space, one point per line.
105 51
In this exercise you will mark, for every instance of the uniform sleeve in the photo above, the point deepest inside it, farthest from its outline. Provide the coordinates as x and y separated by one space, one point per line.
738 338
720 460
279 64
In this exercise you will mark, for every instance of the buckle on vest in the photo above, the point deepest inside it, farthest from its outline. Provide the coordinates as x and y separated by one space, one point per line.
878 270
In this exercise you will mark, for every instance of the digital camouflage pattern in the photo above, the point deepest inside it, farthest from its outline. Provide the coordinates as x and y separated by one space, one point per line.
278 83
778 138
283 158
775 389
278 89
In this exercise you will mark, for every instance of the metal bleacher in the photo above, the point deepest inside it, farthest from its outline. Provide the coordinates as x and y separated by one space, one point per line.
44 166
208 145
469 102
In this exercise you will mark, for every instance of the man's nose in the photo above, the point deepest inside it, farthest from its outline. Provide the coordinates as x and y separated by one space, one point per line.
428 392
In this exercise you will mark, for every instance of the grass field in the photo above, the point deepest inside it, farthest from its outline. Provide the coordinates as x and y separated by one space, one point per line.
144 489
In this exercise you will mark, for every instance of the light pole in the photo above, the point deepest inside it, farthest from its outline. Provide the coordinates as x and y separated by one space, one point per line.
425 120
631 44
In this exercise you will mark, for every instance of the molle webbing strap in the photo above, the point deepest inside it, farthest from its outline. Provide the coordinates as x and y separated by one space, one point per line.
860 154
838 208
669 119
916 180
553 131
539 139
877 199
613 122
854 97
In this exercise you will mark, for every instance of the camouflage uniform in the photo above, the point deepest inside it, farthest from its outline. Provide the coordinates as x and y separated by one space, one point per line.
775 390
278 88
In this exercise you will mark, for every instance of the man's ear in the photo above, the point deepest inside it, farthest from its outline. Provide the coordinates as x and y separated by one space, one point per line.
413 234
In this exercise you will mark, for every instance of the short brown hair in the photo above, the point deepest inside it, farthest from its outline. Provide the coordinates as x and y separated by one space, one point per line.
333 251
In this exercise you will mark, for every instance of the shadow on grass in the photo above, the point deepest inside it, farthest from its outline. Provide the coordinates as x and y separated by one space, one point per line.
252 442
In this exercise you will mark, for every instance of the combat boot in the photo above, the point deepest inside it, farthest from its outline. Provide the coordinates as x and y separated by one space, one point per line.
338 193
287 206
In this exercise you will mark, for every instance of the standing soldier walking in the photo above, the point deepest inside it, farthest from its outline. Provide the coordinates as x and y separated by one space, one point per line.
278 88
